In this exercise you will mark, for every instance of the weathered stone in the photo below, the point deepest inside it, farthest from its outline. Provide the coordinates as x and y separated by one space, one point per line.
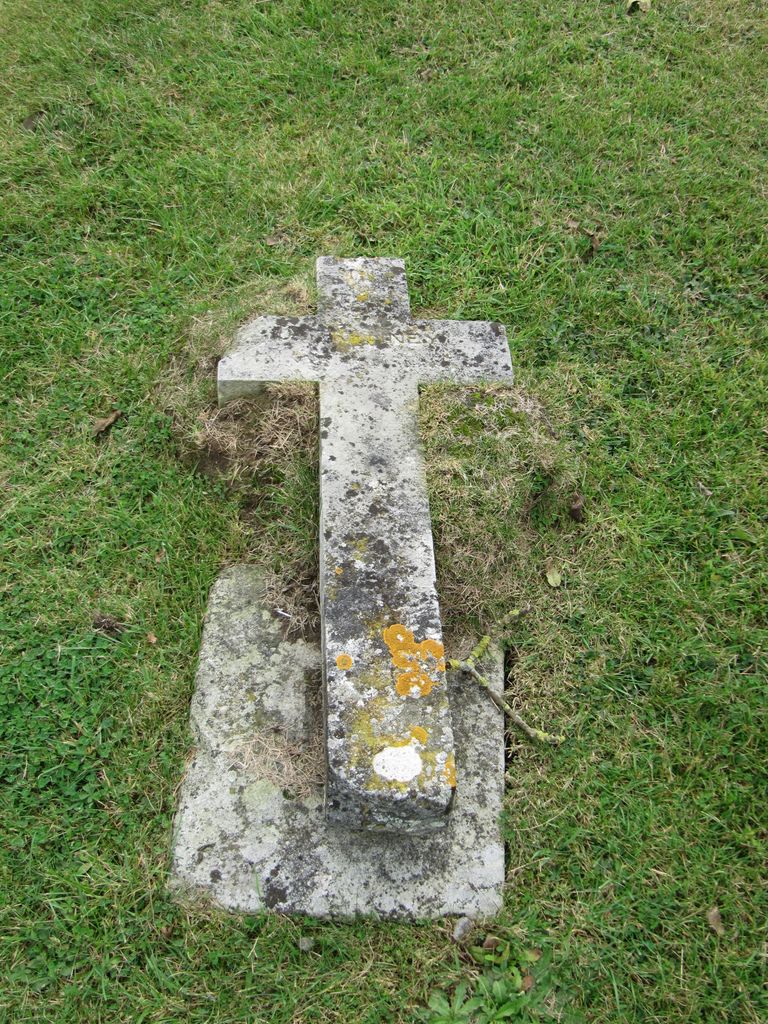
250 833
389 739
462 929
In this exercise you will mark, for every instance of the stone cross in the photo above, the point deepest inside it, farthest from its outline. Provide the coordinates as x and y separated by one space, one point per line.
388 724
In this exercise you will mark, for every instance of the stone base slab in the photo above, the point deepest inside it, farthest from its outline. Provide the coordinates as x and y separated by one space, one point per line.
250 832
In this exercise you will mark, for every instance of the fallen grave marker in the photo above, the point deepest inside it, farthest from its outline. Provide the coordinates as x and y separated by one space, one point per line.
391 762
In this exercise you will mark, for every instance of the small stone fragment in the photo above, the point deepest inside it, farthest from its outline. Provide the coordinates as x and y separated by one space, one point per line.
554 579
31 121
715 921
462 928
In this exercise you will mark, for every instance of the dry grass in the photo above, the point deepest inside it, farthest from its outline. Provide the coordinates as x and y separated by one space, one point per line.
264 450
298 768
247 437
496 472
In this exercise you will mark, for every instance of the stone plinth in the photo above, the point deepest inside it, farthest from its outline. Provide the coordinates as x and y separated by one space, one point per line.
251 833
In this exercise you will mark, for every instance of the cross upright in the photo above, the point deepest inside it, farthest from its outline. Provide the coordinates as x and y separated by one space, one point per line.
389 738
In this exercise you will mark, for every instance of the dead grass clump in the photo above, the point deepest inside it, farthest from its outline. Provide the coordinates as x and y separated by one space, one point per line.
497 475
263 449
189 386
296 768
249 439
292 589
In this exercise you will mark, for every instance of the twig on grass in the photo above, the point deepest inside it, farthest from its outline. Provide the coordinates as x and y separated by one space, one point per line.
470 668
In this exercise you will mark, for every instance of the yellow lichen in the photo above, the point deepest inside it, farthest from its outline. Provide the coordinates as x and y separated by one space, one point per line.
396 636
410 681
419 734
360 548
449 771
421 663
343 341
376 678
344 662
366 737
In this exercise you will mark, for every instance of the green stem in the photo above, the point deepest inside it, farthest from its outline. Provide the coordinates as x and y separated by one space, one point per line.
469 667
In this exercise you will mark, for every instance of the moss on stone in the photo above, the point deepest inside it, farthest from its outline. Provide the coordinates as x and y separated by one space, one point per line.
343 341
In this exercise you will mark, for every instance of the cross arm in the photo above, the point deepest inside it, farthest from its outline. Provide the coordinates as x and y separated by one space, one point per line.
272 349
463 351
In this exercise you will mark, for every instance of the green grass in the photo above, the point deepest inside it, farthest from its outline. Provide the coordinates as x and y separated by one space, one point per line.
167 165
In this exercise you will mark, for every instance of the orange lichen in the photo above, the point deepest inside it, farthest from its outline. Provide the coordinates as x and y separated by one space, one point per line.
449 771
338 570
420 662
396 636
404 658
419 734
434 649
407 682
344 662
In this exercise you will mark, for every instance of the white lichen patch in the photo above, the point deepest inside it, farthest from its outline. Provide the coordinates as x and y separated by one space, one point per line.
398 764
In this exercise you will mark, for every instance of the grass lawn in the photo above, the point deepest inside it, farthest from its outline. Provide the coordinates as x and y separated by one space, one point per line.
594 180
